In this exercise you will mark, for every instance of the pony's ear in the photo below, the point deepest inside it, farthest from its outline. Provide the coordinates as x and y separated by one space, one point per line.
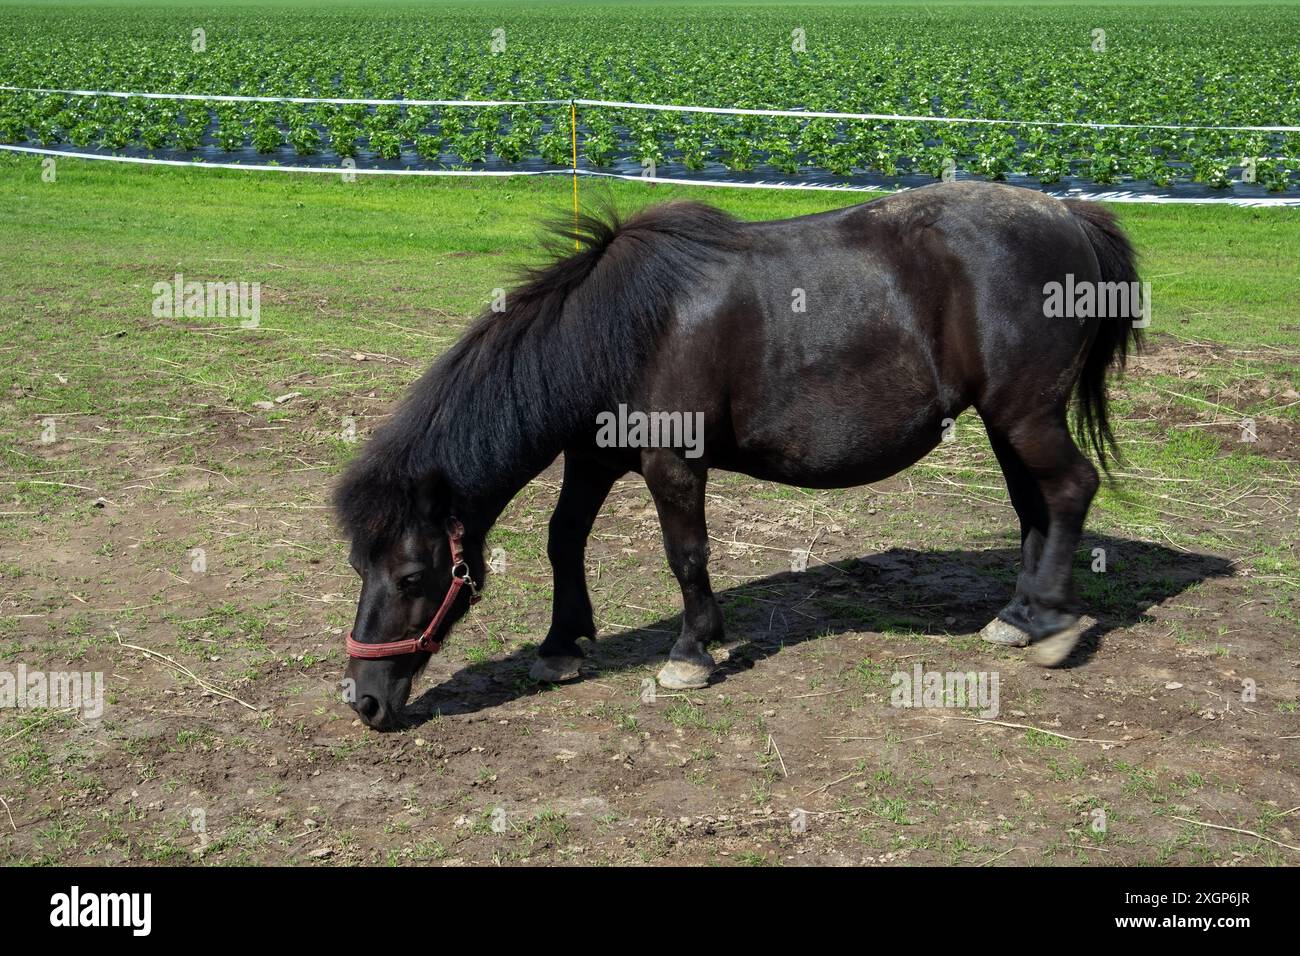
425 506
431 501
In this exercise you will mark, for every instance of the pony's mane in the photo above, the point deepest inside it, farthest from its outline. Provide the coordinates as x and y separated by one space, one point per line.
497 407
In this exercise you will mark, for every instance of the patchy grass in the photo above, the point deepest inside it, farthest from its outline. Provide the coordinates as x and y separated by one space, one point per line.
159 452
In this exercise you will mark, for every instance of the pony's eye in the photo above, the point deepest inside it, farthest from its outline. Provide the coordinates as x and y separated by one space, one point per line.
411 580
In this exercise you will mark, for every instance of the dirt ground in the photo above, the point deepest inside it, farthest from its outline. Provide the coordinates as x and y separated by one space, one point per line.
224 739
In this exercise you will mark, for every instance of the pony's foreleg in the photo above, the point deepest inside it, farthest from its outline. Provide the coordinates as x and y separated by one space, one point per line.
586 485
678 492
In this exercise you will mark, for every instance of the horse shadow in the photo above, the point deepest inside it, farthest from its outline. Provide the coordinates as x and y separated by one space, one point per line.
943 593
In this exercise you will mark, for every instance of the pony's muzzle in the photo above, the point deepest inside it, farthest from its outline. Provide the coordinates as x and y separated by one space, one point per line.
375 713
382 688
367 707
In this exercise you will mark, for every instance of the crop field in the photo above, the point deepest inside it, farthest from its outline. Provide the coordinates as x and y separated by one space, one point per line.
165 479
1199 65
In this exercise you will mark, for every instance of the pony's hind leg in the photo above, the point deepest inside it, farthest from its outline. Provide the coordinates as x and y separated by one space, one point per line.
586 485
678 492
1067 482
1011 625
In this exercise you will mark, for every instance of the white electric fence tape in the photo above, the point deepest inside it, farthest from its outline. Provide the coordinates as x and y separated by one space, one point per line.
663 107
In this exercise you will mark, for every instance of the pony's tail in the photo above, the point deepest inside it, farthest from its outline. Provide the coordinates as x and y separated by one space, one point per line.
1115 335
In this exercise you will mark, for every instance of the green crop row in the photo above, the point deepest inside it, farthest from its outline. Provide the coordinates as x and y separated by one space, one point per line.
1199 65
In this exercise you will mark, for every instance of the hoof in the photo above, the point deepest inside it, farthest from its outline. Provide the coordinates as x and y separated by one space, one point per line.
998 631
683 675
554 670
1053 650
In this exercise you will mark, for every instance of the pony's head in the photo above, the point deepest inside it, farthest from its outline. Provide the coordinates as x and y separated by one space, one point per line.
418 566
492 412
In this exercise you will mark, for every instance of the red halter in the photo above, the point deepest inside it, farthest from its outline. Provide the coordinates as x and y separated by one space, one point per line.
425 642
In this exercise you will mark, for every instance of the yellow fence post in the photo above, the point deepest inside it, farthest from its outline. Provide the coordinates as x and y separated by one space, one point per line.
573 131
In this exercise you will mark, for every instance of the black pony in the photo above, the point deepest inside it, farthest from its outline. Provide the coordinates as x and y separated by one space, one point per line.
824 351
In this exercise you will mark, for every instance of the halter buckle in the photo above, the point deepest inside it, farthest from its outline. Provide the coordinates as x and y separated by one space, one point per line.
460 572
